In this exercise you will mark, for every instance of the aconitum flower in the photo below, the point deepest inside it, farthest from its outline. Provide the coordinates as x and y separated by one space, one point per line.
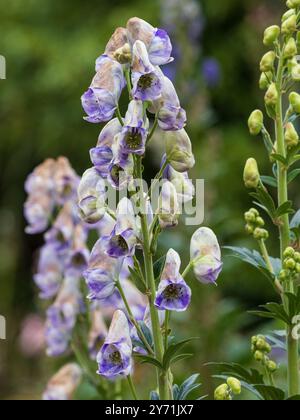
97 333
61 233
206 255
171 116
173 292
123 239
168 211
101 99
101 273
50 272
211 72
63 385
92 196
179 150
66 181
182 183
37 211
115 357
79 253
134 134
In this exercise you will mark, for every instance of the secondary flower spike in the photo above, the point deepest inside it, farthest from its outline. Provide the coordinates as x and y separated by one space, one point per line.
63 385
115 357
206 255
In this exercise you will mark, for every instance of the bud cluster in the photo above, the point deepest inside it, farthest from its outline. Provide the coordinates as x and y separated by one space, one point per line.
225 392
291 265
260 349
255 224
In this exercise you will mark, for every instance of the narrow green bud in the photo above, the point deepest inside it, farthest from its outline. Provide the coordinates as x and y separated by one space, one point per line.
295 102
289 25
271 96
265 80
290 49
283 275
259 356
235 385
271 35
260 222
222 393
272 366
291 136
251 174
295 69
256 122
249 229
267 62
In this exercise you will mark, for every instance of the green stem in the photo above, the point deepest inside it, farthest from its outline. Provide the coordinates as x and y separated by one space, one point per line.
266 257
132 388
284 228
148 258
119 116
128 81
167 321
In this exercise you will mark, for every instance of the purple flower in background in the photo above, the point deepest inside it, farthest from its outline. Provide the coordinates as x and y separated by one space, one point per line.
97 334
134 133
50 272
37 211
206 255
173 292
63 385
101 99
66 181
211 72
79 253
61 233
115 357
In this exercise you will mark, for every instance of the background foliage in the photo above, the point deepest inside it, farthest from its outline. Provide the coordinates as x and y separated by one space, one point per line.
50 48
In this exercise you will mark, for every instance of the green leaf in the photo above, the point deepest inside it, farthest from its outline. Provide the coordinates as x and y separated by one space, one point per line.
137 280
269 180
187 387
294 398
172 350
280 158
149 360
273 311
158 267
147 333
250 376
294 303
270 393
265 201
181 357
293 175
285 208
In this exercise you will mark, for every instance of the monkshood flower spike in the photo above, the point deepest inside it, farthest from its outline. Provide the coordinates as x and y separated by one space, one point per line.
117 282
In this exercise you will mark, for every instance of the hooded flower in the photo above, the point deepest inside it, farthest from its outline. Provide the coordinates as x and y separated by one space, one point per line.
123 239
134 133
63 385
61 233
79 253
66 181
168 211
206 255
173 292
92 196
121 167
97 334
101 99
182 183
37 211
115 357
101 273
102 154
179 150
171 117
50 272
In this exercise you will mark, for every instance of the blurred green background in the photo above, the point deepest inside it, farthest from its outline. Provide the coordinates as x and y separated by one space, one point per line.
50 47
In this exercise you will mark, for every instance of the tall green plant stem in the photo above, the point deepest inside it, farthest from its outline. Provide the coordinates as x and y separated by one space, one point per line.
150 281
292 344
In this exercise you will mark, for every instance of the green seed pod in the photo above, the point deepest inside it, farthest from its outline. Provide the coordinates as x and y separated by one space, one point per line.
256 122
251 174
272 366
267 62
291 136
289 25
271 96
271 35
290 49
235 385
295 102
265 80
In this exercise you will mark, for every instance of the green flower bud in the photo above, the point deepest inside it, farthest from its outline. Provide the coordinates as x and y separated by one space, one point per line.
289 25
289 4
235 385
265 80
255 212
298 40
297 257
271 96
179 150
256 122
222 393
289 264
260 222
287 15
283 275
249 229
298 268
291 136
250 217
267 62
295 72
272 366
271 35
254 340
295 102
261 344
259 356
251 174
294 3
290 49
123 54
289 252
259 234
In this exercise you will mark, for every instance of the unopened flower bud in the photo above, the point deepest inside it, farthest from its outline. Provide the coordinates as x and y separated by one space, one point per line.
291 136
293 3
294 99
290 50
265 80
179 150
289 252
287 15
272 366
289 264
267 62
289 25
235 385
251 174
123 54
222 393
260 222
259 356
297 257
283 275
298 268
263 346
250 217
271 96
271 35
295 71
256 122
254 340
